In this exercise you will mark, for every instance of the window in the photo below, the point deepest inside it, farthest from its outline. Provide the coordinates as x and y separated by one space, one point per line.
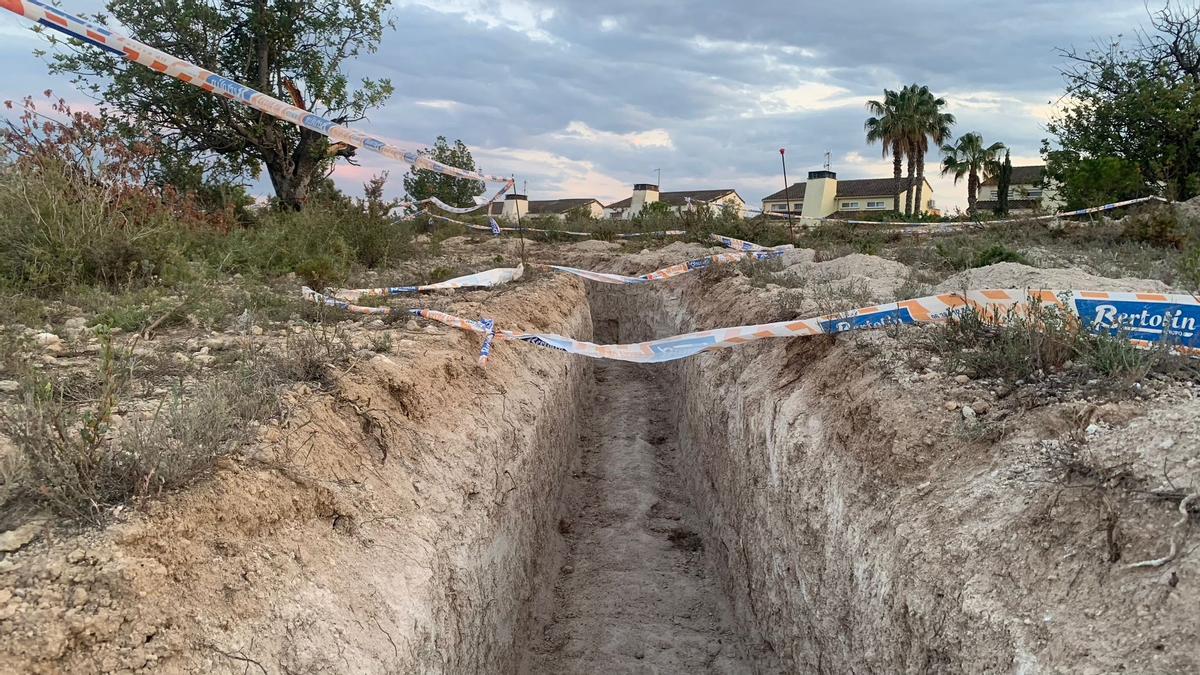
1033 193
875 205
849 205
778 207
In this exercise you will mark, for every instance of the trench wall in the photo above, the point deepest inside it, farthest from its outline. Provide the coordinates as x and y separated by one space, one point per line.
791 456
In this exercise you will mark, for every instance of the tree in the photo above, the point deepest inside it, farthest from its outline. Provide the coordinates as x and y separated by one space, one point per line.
290 50
422 184
968 157
1088 181
1003 185
885 127
1137 104
928 122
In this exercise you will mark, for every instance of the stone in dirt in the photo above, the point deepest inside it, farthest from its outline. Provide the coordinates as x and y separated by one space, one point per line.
14 540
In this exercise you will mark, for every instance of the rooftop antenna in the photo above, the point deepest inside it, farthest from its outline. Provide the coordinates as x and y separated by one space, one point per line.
828 159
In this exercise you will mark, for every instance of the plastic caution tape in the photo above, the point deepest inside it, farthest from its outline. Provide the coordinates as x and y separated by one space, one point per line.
494 229
673 270
485 279
489 334
1147 319
739 245
934 228
162 62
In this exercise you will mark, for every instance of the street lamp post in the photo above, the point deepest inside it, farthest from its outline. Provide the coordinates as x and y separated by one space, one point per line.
787 198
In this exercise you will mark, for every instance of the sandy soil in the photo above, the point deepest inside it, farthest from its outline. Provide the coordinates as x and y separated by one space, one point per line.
634 592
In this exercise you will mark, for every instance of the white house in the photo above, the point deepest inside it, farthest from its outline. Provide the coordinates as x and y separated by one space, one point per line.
517 204
680 202
823 195
1027 191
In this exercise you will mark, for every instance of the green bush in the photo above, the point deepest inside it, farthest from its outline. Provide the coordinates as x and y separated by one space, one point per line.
1160 226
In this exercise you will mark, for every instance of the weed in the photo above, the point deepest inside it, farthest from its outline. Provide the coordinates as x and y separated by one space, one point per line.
308 353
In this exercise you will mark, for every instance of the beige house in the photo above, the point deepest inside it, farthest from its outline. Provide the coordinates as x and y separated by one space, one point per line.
1028 191
824 196
680 202
519 205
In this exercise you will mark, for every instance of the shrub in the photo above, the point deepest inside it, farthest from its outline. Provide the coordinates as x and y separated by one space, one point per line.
1159 226
997 253
81 463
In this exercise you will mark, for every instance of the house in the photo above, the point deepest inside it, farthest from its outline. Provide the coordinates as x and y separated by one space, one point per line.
1027 191
824 196
520 205
680 202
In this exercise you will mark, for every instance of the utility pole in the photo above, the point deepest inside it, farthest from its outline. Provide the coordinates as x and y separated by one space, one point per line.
659 179
787 195
521 226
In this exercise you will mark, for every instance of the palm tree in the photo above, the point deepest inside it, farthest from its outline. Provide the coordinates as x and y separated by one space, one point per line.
967 157
884 126
928 122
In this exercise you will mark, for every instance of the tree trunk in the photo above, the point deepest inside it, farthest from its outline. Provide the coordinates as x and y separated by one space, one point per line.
919 207
897 171
908 193
972 191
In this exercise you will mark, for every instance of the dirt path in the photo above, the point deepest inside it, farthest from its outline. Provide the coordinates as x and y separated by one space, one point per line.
634 594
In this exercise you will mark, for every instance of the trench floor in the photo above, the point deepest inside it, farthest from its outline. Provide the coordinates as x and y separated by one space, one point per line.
634 593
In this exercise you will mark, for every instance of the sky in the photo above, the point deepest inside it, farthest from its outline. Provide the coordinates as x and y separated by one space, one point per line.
584 99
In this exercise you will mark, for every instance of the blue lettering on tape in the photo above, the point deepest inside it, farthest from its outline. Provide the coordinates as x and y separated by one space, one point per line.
1141 320
317 122
880 319
535 340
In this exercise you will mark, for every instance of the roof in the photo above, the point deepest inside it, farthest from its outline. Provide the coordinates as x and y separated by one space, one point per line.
857 187
1021 175
681 198
555 206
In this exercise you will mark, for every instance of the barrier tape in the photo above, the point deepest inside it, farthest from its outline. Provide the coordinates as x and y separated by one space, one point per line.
484 279
495 229
673 270
1146 319
160 61
808 221
489 334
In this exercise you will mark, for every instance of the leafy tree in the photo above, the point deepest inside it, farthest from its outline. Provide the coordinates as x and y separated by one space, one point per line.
885 127
422 184
291 50
1137 104
1088 181
968 157
927 122
1003 185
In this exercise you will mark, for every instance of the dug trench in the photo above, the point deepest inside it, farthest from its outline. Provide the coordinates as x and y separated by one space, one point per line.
798 505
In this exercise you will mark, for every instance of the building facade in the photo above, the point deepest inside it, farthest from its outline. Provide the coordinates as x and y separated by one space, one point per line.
1028 191
679 202
824 196
517 205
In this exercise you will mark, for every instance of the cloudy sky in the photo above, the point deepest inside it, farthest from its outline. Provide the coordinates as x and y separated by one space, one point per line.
583 99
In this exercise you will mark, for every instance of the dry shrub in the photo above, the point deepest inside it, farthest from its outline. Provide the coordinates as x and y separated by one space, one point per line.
81 463
308 354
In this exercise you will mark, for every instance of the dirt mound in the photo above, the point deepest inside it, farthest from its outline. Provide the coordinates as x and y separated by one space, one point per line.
1016 275
597 246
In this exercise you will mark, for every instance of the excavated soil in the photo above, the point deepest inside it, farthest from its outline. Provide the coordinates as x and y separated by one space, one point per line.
808 505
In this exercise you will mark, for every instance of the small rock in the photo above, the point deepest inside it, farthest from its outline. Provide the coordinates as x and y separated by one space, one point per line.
568 569
5 596
980 406
79 597
256 330
76 556
13 540
962 379
412 325
1092 429
204 359
46 339
951 405
217 344
9 386
76 324
968 413
1166 444
180 358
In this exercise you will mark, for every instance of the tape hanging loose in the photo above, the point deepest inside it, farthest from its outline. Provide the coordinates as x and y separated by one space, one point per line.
193 74
489 334
484 279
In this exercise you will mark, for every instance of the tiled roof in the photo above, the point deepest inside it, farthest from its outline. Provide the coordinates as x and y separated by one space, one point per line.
555 206
679 198
1021 175
858 187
